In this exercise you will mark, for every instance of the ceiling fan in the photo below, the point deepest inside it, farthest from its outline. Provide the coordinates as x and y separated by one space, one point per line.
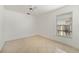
30 10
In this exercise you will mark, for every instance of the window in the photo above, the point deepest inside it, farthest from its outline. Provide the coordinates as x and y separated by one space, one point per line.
64 25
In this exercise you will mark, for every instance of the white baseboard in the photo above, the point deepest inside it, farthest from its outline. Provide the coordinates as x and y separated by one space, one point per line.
45 36
20 37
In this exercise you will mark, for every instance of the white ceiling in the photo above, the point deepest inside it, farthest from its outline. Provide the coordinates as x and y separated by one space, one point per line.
38 9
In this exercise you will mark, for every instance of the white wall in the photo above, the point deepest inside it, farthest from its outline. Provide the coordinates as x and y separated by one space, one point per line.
1 26
47 25
17 25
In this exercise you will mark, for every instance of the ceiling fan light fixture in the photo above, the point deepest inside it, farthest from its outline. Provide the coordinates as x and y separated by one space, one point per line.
30 10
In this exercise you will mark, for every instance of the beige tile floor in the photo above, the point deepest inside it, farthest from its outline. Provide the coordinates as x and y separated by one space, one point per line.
36 44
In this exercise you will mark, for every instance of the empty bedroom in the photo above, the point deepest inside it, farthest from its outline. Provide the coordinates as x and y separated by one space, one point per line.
39 29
